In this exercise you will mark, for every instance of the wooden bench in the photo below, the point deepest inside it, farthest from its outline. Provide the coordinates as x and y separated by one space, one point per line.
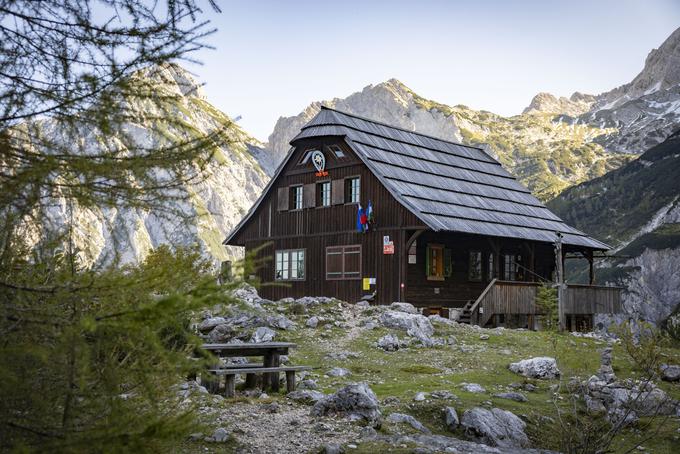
230 373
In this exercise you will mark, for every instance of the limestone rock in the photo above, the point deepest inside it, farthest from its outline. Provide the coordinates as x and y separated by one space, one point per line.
307 384
280 322
451 418
356 400
221 435
338 372
389 343
517 397
307 396
474 388
542 367
415 325
442 395
408 419
263 334
404 307
312 322
209 323
670 372
420 396
495 427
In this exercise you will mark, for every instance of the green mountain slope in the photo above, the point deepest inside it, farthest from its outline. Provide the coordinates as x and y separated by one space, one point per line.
618 205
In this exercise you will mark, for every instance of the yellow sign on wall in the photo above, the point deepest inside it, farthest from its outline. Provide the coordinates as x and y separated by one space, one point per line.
367 283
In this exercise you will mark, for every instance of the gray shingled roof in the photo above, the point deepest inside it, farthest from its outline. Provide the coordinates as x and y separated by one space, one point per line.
450 187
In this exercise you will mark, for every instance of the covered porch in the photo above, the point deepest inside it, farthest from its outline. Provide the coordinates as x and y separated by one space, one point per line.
494 281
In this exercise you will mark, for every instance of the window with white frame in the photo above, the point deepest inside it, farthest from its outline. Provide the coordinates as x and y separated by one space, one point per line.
353 190
296 197
289 265
324 194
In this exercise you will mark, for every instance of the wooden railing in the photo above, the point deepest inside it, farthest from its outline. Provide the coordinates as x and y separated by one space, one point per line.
510 297
592 299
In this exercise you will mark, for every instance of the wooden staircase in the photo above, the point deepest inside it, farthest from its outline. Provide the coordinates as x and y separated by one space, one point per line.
466 313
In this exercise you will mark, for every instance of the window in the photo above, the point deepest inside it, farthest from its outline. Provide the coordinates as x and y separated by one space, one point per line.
353 190
343 262
290 265
296 197
511 267
475 266
337 151
438 264
324 194
412 253
305 157
491 273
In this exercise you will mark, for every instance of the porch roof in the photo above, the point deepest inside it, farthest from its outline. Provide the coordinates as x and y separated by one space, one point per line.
449 186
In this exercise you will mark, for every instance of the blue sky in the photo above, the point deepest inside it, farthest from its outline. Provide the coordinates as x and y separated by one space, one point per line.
273 58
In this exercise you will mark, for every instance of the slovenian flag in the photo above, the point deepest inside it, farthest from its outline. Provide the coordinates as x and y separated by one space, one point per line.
360 213
369 214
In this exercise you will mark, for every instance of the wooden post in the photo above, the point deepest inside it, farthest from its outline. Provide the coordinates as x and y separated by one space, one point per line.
267 377
402 264
590 268
274 376
290 381
230 385
210 382
559 260
251 381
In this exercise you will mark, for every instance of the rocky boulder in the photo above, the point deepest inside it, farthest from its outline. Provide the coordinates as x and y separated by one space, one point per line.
307 396
279 322
209 323
451 418
389 343
404 307
357 401
473 388
338 372
670 372
495 427
312 322
415 325
263 334
542 367
401 418
517 397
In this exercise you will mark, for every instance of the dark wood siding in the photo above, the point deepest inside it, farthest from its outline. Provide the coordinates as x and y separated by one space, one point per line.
318 227
456 290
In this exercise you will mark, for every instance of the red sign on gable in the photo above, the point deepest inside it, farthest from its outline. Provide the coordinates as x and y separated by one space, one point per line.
388 249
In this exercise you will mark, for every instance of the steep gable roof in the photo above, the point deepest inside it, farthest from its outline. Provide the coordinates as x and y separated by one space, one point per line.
448 186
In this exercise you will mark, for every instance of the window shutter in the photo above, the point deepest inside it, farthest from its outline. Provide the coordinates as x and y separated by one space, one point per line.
448 265
282 199
309 195
427 261
338 192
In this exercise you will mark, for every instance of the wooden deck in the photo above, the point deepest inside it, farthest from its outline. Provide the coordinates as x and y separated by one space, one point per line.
509 297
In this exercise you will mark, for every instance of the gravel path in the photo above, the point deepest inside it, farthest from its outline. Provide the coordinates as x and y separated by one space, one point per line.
284 428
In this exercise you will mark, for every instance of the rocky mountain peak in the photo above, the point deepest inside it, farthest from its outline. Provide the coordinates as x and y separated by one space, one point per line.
661 72
575 105
389 102
172 77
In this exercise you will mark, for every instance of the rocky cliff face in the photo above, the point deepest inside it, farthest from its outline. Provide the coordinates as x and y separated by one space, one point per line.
646 110
235 178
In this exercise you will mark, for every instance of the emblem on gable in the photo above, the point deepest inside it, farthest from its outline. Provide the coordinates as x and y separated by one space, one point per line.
319 161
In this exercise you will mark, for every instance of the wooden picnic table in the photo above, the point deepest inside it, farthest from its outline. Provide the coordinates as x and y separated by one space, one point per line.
270 351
